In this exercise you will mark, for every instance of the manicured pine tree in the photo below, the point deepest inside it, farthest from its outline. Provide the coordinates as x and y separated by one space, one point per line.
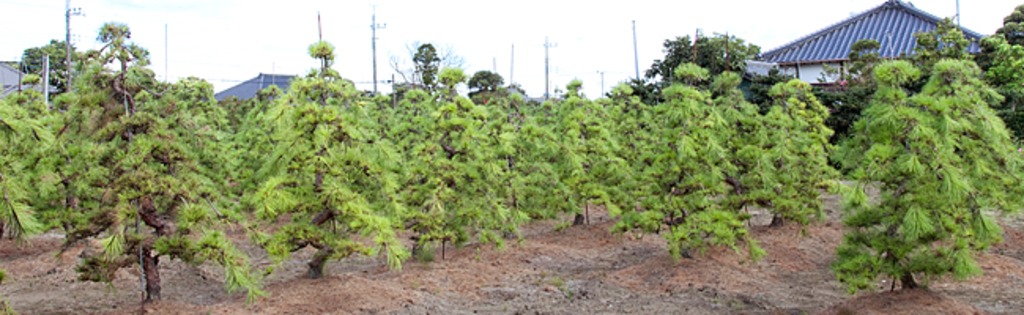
454 173
140 183
943 161
326 182
751 177
632 125
524 148
687 174
590 169
25 139
798 150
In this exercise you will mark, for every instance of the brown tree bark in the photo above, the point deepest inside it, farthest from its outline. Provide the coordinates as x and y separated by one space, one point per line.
319 260
151 269
907 281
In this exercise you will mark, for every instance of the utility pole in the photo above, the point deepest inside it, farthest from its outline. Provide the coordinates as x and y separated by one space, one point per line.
67 41
602 81
319 28
373 44
957 13
46 79
512 65
165 54
547 80
636 55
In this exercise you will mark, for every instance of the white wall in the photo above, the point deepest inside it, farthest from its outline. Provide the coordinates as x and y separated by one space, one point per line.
811 72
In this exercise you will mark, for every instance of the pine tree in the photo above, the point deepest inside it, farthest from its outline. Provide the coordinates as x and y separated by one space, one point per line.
326 179
799 153
632 124
687 174
745 140
139 181
942 160
25 138
525 148
454 172
590 168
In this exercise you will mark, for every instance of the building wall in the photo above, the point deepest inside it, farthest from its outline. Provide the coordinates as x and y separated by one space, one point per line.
811 72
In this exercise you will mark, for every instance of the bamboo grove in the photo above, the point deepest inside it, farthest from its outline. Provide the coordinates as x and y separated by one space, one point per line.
155 171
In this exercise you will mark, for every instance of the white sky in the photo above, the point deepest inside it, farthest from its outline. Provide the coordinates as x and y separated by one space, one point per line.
228 41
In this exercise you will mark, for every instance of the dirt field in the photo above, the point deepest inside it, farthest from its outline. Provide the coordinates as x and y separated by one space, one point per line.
579 270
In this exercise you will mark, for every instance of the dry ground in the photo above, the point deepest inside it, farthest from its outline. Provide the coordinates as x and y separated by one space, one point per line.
579 270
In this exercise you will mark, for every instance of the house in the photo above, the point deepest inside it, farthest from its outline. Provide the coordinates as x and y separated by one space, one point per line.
9 79
248 89
893 24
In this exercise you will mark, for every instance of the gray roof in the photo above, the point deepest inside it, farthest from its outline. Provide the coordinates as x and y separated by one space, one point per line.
248 89
893 24
9 77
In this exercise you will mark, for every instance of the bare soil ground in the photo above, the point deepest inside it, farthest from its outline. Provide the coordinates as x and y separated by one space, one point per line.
578 270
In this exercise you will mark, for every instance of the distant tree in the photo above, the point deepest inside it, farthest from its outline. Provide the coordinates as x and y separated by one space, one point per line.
32 60
943 161
1013 33
1013 27
423 63
946 41
717 53
484 86
1006 74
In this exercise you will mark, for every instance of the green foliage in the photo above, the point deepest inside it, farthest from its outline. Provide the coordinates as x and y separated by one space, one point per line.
942 160
427 63
589 169
25 138
947 41
453 171
798 152
717 53
32 62
5 309
1006 74
1013 26
325 179
745 140
140 168
485 86
687 162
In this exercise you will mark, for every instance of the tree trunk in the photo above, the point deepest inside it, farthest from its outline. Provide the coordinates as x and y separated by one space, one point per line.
907 281
151 270
316 265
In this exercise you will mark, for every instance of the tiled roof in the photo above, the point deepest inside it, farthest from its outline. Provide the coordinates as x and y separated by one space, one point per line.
893 24
248 89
